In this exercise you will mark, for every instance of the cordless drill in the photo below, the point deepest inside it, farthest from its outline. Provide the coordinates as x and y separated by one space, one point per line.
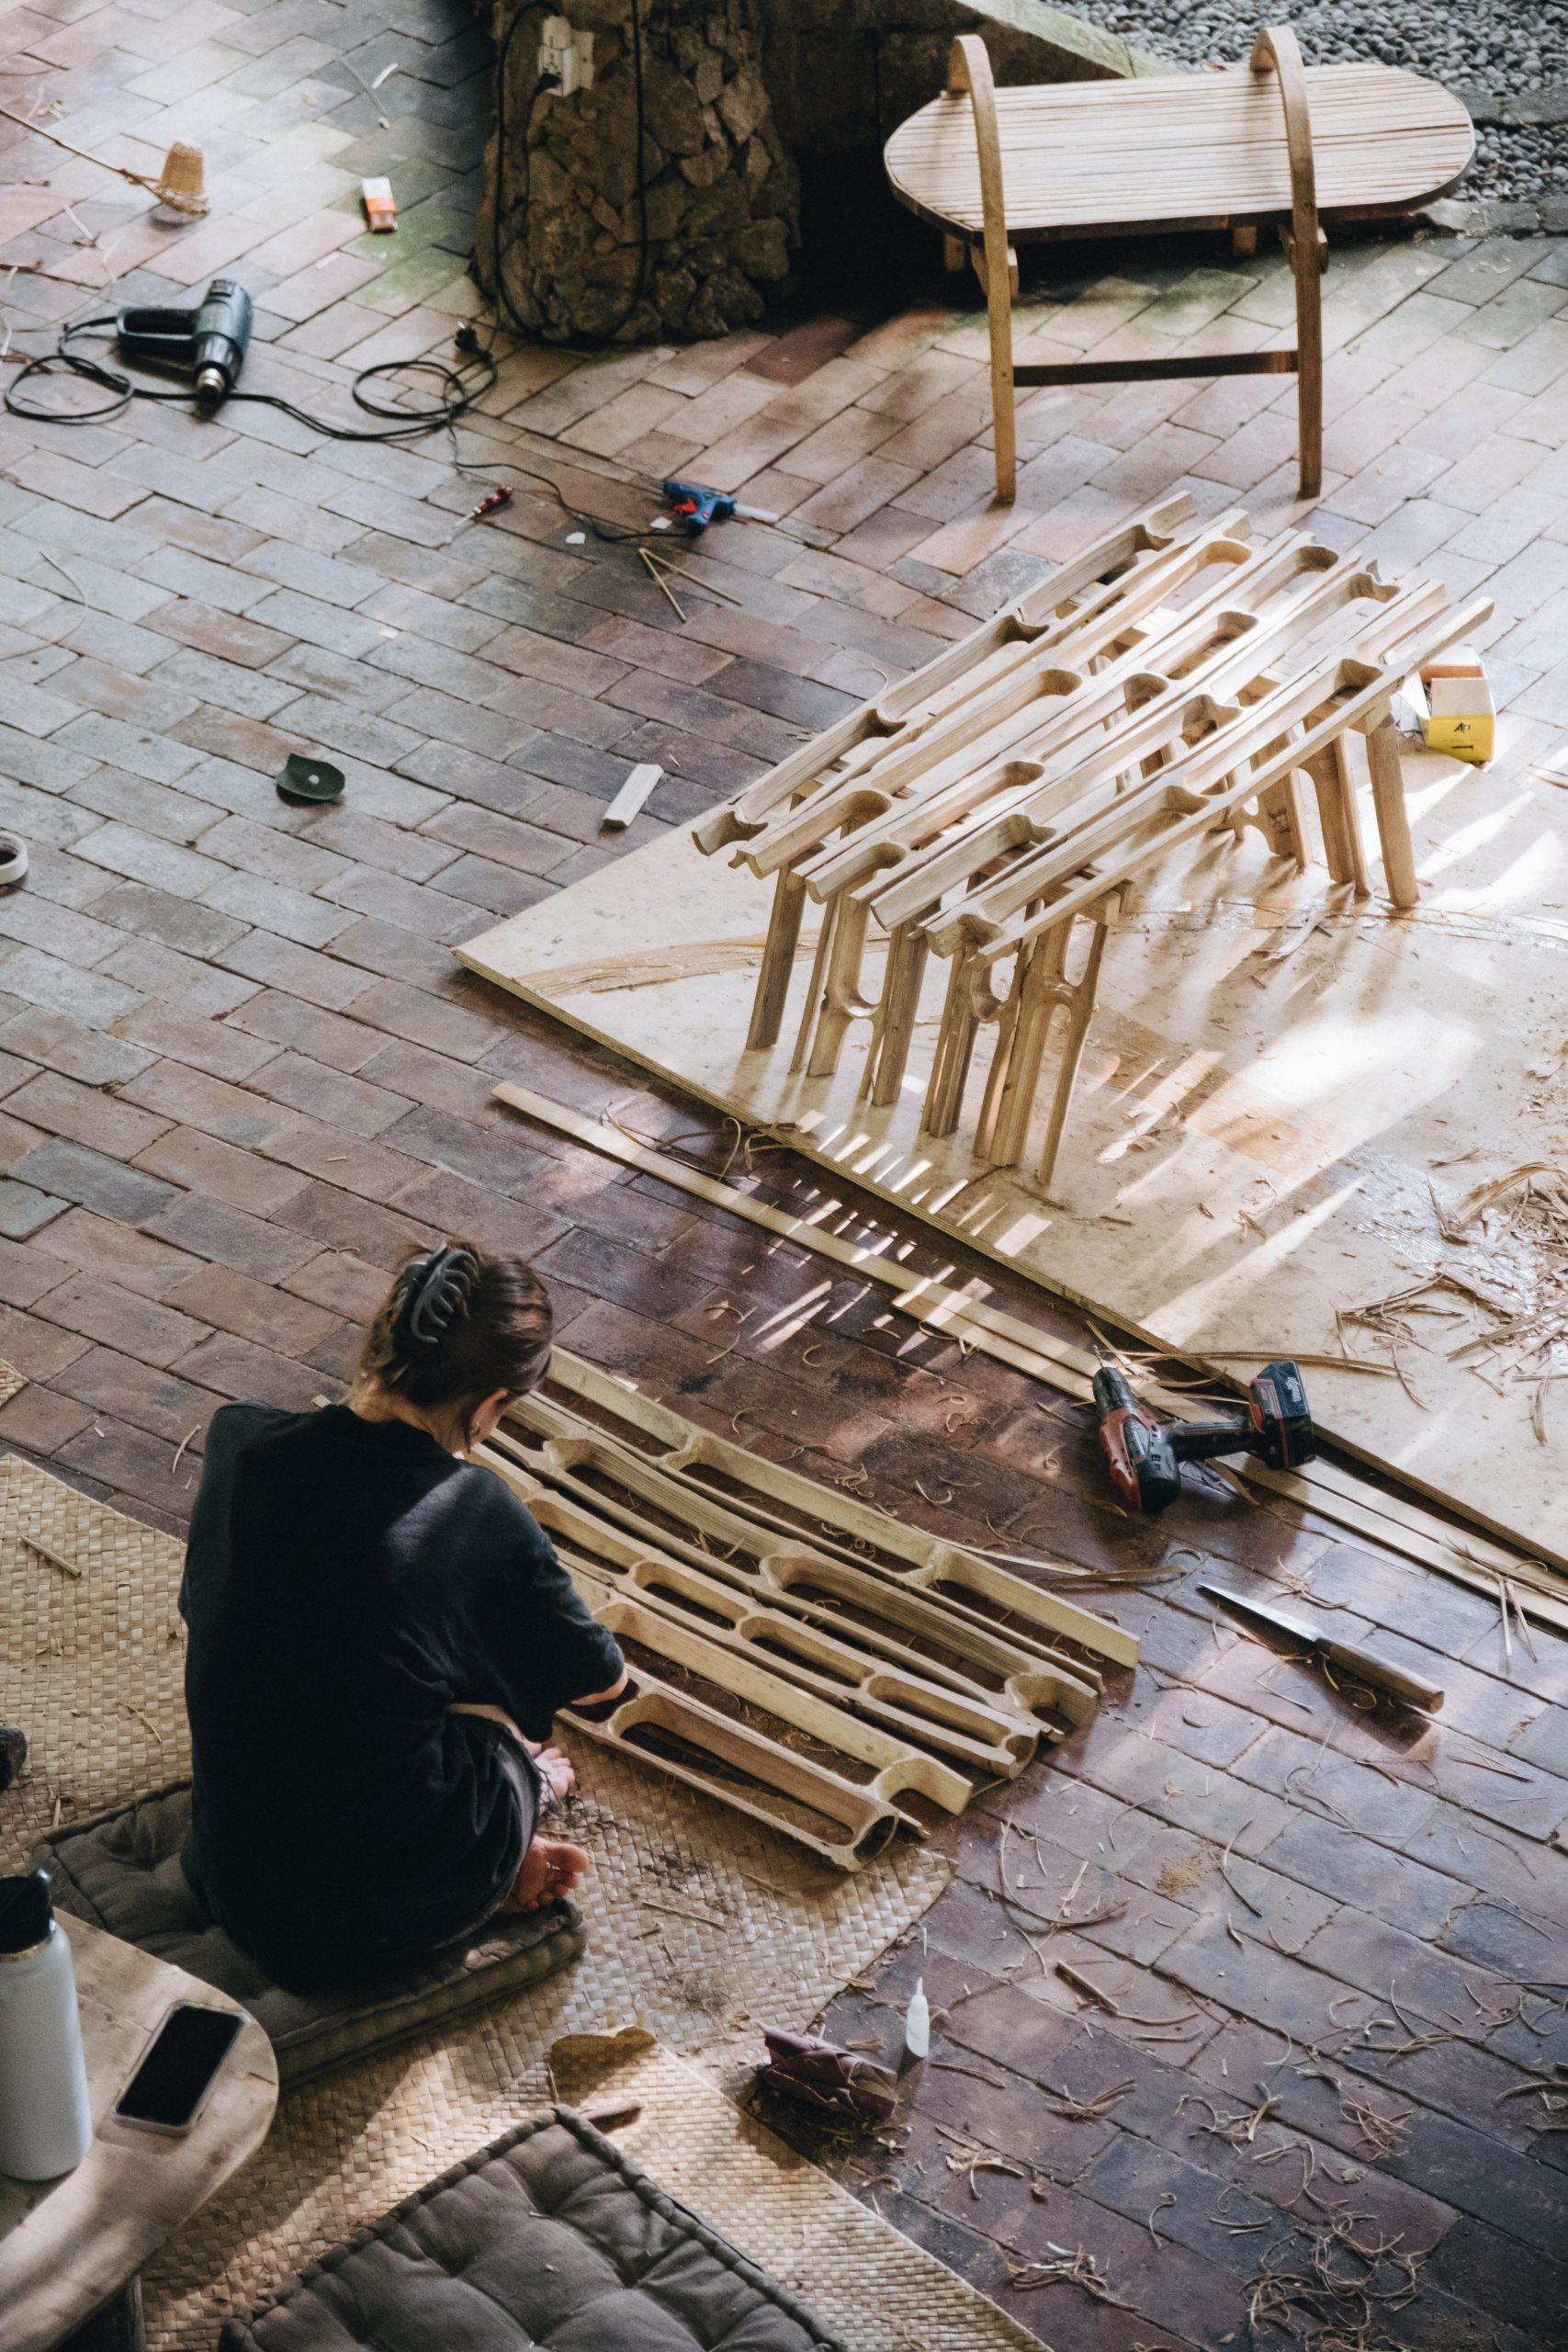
209 341
1145 1450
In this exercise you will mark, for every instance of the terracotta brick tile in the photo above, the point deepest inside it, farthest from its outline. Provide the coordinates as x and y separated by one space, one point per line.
127 1461
232 1301
338 1281
72 1047
327 1215
39 1419
63 1107
99 1310
189 1095
146 1396
204 1164
203 1042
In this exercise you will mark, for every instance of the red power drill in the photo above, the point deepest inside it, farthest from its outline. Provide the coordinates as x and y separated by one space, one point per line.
1145 1450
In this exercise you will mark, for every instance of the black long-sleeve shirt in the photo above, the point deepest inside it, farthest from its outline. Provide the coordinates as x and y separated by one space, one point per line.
345 1582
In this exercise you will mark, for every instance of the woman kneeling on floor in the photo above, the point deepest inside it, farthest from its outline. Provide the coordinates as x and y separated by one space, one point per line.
379 1637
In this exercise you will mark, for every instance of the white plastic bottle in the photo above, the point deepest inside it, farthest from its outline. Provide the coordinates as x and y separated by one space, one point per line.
917 2023
46 2120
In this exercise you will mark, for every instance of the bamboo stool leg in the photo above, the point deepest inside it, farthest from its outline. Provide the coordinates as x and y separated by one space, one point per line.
778 963
1079 1015
1345 777
1040 990
1284 820
841 990
1331 818
1384 760
956 1045
969 68
813 1004
893 1029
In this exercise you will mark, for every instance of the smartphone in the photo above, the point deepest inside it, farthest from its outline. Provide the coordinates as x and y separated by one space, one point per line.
166 2091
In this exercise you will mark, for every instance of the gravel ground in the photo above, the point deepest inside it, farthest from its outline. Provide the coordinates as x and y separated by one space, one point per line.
1474 45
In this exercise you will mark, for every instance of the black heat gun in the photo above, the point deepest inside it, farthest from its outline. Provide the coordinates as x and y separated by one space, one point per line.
207 342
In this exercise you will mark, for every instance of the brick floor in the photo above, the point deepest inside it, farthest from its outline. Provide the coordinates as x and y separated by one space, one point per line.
240 1073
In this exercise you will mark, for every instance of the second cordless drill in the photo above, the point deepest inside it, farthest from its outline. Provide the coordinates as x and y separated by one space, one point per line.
1145 1450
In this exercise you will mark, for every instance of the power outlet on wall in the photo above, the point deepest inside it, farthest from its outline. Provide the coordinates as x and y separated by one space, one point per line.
565 57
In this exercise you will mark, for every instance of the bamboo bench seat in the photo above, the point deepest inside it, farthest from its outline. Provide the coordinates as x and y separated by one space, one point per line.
1272 145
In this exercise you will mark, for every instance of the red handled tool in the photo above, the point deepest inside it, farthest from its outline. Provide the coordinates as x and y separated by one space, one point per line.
1145 1450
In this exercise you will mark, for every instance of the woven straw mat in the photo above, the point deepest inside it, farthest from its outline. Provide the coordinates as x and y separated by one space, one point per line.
701 1923
10 1381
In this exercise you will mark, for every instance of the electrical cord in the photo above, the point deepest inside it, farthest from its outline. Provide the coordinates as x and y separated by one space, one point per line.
461 386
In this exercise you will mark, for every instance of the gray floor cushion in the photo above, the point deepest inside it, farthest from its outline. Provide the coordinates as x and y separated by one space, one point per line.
122 1870
549 2240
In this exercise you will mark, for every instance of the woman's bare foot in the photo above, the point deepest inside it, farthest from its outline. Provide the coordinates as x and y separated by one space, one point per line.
555 1770
551 1869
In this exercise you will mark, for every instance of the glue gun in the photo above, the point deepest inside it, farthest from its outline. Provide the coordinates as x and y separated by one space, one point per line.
698 506
209 341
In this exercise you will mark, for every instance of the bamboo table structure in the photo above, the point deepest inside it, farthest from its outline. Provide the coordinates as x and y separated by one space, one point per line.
71 2249
1273 145
1156 687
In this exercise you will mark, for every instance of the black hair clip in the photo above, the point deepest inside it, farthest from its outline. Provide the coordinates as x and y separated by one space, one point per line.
435 1292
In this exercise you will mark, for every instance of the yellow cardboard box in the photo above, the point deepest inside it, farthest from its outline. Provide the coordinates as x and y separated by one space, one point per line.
1460 715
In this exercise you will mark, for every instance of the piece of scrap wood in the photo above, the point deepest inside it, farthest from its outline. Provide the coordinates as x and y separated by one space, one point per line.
631 799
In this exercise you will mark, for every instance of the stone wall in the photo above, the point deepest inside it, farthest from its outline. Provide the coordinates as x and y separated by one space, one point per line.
721 194
843 74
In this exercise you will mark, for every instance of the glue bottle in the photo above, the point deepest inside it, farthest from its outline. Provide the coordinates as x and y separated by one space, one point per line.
917 2023
46 2120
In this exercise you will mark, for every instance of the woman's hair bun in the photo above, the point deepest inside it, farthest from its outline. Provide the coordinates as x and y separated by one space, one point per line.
459 1325
433 1293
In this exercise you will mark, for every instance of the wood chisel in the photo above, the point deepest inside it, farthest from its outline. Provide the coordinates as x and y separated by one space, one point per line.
1364 1666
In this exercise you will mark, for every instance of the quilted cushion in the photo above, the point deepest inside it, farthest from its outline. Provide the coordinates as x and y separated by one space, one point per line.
548 2240
122 1870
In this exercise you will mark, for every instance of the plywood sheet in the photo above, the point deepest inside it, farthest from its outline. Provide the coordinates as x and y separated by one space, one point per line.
1280 1089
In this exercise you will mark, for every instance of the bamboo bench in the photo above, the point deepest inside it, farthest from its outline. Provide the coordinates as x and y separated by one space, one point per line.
1273 145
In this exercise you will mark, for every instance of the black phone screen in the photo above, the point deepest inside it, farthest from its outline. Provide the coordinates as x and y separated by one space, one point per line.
173 2079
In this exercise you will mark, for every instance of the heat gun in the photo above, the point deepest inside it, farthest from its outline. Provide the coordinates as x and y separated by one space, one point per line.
1145 1450
209 341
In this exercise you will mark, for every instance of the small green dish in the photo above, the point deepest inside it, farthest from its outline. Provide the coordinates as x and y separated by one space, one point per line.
304 778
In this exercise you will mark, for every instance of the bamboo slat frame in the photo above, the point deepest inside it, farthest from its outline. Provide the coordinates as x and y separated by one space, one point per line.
935 1671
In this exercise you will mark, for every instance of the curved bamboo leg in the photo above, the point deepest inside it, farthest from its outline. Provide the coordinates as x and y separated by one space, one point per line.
954 1049
1305 245
969 68
895 1024
778 963
1080 1013
1340 756
1393 822
1040 988
841 990
1331 818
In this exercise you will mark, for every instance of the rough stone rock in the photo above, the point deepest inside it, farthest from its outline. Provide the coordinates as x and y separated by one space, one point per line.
721 199
742 103
762 250
671 108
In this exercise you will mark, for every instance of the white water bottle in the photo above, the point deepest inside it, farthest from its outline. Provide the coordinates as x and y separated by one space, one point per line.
46 2120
